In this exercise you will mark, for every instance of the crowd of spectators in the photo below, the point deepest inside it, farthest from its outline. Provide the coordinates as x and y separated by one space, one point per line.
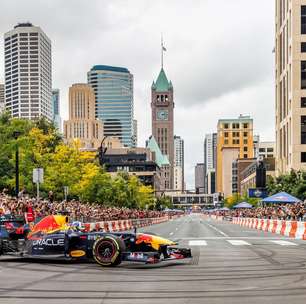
296 212
31 209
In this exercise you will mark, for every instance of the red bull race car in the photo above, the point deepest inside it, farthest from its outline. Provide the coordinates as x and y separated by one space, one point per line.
54 237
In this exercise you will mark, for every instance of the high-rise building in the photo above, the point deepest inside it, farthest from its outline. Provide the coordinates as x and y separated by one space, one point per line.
178 163
113 87
82 124
2 103
56 109
256 141
290 81
234 140
28 84
199 177
162 106
210 160
266 149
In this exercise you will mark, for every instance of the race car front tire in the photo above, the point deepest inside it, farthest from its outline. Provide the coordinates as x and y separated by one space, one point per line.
107 250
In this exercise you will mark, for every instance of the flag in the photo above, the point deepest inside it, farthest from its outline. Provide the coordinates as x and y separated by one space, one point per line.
164 49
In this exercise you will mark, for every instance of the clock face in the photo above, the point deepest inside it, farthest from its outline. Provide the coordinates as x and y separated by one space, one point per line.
162 115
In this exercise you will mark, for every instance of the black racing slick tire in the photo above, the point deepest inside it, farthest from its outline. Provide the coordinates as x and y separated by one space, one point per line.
107 250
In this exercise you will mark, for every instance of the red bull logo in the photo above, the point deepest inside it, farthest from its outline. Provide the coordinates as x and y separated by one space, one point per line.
144 238
50 224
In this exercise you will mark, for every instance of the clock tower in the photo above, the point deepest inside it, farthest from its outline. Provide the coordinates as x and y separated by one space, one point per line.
162 106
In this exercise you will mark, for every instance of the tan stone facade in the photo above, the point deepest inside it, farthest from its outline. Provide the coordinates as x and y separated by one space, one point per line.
82 124
290 81
233 135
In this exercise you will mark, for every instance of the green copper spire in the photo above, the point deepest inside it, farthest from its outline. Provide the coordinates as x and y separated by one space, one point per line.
162 84
160 159
153 85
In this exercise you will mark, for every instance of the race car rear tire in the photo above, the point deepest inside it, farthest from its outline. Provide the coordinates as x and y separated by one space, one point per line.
107 250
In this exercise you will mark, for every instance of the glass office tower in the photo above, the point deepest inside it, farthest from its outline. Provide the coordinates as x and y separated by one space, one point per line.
113 88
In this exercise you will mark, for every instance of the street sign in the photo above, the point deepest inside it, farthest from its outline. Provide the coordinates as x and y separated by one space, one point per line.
38 175
258 193
38 178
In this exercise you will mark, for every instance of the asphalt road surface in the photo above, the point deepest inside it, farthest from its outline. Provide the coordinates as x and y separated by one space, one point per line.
230 264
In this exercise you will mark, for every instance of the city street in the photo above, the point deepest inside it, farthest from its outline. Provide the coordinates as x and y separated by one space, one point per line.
231 264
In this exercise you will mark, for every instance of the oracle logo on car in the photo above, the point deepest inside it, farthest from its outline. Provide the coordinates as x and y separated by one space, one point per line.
49 242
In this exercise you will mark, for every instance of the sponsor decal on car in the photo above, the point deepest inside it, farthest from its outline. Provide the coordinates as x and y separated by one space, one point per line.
49 242
136 255
77 253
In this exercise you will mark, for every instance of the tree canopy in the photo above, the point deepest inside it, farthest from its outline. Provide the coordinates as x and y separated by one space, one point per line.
41 146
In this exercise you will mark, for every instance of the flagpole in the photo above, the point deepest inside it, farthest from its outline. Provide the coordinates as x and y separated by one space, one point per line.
162 52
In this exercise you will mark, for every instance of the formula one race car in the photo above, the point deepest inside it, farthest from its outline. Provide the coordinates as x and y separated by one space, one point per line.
54 237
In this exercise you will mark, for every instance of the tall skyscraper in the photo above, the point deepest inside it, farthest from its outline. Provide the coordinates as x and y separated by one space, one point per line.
290 80
210 160
28 84
82 123
234 140
178 163
56 109
2 103
199 178
113 87
162 106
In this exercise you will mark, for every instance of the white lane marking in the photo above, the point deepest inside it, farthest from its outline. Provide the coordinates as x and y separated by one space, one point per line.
239 242
171 233
216 229
176 228
197 243
284 243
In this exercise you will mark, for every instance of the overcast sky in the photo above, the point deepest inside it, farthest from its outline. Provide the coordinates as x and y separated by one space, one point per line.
219 56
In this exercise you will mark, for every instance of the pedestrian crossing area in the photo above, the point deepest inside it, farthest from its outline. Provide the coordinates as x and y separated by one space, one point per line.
234 242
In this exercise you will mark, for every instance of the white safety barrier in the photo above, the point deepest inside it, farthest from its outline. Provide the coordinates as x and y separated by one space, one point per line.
122 225
293 229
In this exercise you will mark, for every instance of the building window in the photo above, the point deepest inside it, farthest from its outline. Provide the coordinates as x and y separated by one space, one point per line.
262 150
303 75
245 134
303 102
226 141
226 134
303 47
303 130
245 149
303 157
236 125
245 125
245 156
235 141
270 149
303 19
225 126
